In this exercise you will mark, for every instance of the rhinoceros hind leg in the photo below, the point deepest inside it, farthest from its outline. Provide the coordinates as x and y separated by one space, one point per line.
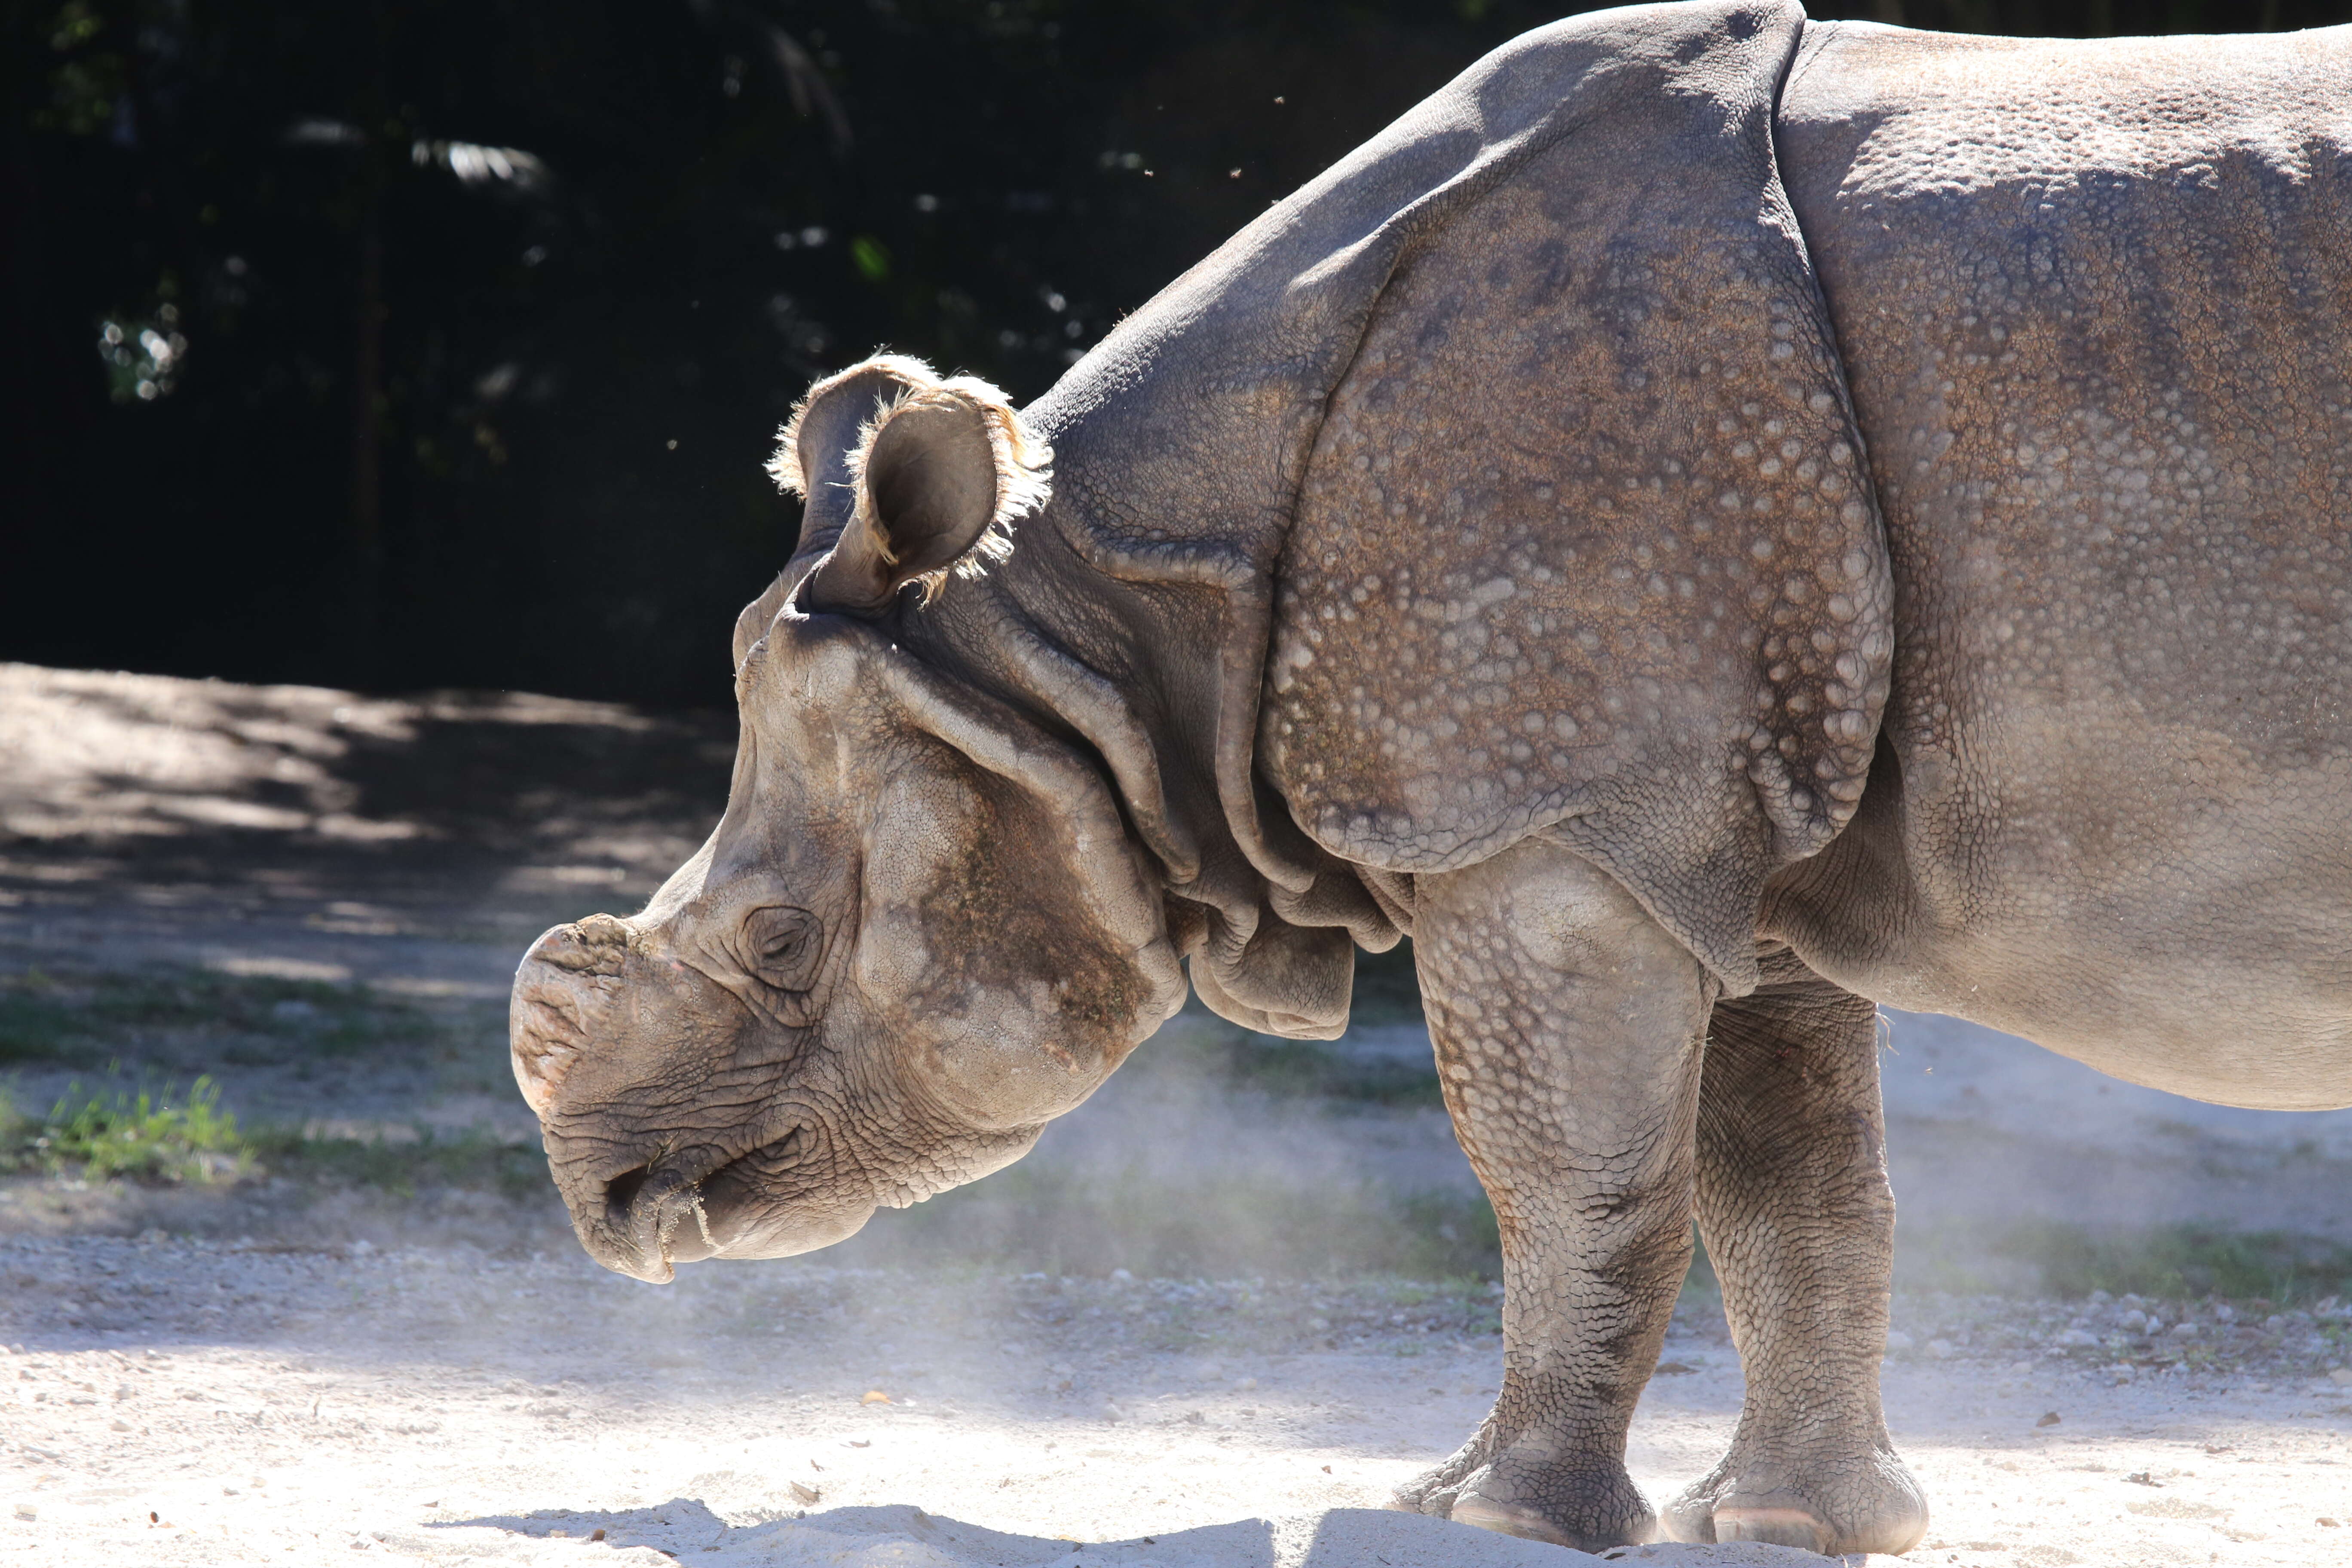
1874 1507
1794 1208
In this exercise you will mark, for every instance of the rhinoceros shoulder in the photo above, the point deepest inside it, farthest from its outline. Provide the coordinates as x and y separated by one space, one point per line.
1585 546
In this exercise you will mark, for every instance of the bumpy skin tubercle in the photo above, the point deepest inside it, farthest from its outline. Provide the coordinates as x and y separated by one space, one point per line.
2094 301
1586 543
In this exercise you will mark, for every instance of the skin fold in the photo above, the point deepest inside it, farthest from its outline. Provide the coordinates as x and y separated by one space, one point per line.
1710 523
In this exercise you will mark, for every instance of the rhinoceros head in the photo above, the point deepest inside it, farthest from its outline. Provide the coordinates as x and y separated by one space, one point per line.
920 932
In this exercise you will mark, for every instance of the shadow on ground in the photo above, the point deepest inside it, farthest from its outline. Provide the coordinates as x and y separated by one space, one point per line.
688 1532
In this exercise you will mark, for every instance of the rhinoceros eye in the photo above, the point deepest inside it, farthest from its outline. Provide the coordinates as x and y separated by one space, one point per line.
785 945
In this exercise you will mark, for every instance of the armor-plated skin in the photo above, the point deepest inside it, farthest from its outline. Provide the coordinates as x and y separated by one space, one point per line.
1709 522
2094 301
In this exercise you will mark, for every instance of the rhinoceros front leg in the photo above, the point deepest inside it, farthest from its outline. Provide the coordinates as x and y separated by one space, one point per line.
1568 1026
1793 1203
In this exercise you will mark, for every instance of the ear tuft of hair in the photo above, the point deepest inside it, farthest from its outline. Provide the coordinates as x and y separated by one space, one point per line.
1023 464
784 465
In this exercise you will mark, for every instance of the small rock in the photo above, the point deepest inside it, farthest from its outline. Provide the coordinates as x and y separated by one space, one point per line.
1122 1276
2020 1368
2330 1523
27 1513
2078 1339
2184 1330
802 1492
2342 1375
1244 1382
1940 1349
2049 1418
875 1397
1896 1339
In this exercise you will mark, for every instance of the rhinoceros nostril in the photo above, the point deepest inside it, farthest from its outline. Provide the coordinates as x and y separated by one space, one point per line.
621 1192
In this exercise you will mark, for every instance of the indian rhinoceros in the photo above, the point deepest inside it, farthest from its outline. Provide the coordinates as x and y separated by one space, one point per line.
1711 522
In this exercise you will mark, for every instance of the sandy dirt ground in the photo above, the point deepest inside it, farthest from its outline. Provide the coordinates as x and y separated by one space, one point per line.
189 1403
268 1375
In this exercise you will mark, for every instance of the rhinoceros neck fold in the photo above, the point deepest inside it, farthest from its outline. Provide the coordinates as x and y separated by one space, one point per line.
1152 666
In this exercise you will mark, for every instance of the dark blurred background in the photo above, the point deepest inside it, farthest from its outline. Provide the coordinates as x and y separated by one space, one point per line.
423 345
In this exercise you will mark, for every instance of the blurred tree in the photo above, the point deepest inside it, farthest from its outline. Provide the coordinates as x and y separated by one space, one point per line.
405 342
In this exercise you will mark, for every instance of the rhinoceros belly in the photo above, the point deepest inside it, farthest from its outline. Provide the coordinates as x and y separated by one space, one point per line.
2095 302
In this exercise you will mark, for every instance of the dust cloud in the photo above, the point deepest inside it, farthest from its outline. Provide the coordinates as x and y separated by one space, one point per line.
1224 1306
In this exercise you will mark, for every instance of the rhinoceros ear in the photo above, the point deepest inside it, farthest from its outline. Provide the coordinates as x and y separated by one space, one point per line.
936 476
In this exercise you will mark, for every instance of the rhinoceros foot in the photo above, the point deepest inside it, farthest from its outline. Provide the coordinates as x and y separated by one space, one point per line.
1587 1502
1867 1502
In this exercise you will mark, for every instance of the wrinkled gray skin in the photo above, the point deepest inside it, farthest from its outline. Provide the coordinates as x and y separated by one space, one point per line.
1711 522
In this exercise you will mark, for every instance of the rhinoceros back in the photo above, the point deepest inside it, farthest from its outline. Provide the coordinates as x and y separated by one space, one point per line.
2094 303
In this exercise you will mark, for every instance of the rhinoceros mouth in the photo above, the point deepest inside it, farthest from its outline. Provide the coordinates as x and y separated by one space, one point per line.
650 1219
659 1215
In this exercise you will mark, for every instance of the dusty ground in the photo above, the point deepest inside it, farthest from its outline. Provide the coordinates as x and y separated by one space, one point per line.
296 1365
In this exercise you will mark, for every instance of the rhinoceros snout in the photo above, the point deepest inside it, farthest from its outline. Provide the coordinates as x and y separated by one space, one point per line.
558 990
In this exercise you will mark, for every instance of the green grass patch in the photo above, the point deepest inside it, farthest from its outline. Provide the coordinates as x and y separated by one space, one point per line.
148 1136
168 1137
2169 1262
